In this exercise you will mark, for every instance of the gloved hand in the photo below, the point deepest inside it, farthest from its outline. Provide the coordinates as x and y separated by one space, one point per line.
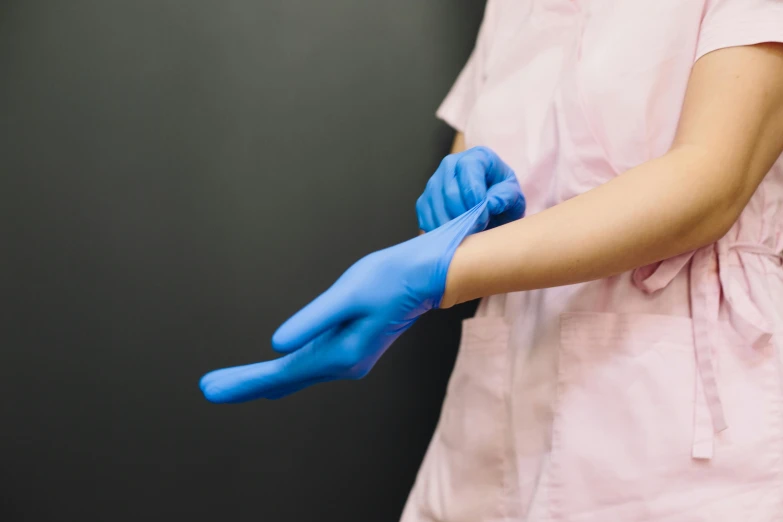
343 332
465 179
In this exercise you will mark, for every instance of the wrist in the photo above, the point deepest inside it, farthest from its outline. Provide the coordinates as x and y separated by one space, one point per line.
454 277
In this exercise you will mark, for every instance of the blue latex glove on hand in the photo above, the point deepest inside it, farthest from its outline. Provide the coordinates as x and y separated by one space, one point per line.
464 180
343 332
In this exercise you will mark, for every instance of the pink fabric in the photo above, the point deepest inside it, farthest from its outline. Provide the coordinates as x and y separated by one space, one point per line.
653 395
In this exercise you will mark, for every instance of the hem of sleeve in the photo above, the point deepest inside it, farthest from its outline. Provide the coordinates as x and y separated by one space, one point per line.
454 116
742 33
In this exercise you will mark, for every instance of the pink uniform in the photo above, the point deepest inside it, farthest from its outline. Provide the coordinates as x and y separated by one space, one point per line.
656 395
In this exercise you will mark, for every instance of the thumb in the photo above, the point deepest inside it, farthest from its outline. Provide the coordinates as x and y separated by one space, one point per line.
325 312
506 199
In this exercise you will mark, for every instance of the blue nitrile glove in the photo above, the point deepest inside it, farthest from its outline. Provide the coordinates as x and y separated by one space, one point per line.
465 179
343 332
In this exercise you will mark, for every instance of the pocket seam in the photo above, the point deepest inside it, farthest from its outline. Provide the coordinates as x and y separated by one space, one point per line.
474 347
598 327
606 327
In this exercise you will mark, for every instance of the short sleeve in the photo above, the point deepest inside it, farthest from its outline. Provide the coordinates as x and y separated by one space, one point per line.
457 105
732 23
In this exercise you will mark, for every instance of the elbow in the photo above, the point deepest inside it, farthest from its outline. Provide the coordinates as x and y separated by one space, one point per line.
719 227
722 213
715 198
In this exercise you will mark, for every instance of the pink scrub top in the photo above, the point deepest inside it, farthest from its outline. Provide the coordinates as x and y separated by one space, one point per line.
655 395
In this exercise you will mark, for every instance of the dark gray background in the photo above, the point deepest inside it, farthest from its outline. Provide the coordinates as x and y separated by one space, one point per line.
176 178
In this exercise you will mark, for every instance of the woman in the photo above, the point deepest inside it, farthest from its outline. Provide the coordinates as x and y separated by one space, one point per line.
627 362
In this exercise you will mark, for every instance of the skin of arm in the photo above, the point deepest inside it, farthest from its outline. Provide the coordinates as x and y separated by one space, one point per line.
459 143
729 135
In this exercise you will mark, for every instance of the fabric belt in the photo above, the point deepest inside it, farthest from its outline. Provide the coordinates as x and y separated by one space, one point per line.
710 278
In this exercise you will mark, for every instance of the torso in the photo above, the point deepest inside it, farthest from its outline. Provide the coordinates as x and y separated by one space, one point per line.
595 389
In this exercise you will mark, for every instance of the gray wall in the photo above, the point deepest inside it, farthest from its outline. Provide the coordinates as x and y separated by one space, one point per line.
177 178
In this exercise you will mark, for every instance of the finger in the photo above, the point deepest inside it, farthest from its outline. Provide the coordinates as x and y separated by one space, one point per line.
265 379
506 202
430 208
345 351
437 199
470 178
295 388
245 383
424 214
438 209
328 310
334 355
452 198
496 170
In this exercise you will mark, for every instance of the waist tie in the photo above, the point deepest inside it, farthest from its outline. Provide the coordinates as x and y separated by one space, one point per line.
709 277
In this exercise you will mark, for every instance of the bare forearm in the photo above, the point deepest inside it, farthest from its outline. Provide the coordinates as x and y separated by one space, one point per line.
731 131
658 210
